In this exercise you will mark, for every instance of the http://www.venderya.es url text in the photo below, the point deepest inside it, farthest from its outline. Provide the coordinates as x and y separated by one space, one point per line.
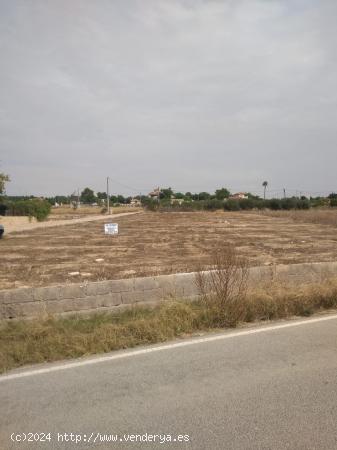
98 438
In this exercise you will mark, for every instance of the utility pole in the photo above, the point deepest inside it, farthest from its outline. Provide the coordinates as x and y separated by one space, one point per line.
78 198
284 192
107 195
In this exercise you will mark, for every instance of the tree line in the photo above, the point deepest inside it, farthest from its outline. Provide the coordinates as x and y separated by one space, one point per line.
166 199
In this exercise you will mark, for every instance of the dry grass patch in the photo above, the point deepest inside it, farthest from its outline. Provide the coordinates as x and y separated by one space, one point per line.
316 216
36 341
226 295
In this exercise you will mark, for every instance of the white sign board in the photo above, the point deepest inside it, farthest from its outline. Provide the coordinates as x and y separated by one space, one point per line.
111 228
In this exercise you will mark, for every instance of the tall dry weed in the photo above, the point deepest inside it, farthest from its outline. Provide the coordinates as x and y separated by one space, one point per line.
223 287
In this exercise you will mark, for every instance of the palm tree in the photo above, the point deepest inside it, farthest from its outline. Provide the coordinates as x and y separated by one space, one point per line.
264 184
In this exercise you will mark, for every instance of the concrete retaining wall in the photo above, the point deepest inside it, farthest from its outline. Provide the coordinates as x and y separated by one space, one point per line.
107 295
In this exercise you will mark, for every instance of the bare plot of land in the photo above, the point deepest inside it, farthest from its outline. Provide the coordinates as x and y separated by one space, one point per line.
154 243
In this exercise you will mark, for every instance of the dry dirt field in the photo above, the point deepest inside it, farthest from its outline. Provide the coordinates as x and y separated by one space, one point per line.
153 243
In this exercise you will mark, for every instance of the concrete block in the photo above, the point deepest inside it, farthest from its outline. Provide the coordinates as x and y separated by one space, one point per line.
185 285
126 285
133 297
23 310
83 304
107 300
99 288
5 296
167 284
295 274
325 270
152 295
59 306
261 275
22 295
47 293
3 311
6 312
72 291
72 305
146 283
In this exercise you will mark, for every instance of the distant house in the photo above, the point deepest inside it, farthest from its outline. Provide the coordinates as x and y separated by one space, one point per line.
135 202
155 194
239 196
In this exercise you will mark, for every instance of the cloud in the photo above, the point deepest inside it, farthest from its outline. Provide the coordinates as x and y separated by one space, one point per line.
191 94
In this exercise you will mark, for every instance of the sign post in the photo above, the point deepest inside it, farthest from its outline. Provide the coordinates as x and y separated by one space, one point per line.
111 228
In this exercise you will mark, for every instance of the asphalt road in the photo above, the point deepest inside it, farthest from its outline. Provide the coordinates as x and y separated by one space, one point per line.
274 389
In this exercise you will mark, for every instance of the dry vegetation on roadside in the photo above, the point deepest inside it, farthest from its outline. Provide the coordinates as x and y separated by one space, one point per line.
227 295
223 285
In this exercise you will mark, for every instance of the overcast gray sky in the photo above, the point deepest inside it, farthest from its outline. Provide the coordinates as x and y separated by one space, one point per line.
192 94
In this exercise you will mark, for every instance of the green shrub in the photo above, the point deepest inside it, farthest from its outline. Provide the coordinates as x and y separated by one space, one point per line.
150 204
212 205
303 203
35 207
232 205
247 203
3 209
318 202
288 203
274 204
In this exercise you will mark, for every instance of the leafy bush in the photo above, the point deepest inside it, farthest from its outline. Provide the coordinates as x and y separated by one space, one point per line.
247 203
3 209
232 205
288 203
149 203
303 203
317 202
36 207
212 205
274 204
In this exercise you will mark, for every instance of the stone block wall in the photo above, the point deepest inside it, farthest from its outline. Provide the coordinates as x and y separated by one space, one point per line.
112 294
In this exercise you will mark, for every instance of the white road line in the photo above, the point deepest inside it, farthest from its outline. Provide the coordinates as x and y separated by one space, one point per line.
143 351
